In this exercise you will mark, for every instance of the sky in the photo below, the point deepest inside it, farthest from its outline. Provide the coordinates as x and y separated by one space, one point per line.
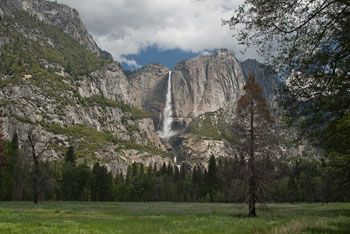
139 32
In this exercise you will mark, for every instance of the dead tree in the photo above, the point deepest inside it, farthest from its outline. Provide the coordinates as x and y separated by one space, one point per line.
36 156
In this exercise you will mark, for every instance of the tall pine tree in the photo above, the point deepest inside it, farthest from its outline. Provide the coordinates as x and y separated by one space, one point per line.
254 121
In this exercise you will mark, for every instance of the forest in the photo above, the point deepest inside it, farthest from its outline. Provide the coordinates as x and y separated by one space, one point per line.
291 180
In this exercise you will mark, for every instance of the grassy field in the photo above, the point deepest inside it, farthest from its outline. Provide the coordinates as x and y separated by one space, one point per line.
114 217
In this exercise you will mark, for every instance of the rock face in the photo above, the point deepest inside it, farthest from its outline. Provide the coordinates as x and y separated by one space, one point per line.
63 17
110 82
206 84
200 85
147 90
106 115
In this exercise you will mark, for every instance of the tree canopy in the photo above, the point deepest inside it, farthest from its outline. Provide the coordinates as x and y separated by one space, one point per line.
306 41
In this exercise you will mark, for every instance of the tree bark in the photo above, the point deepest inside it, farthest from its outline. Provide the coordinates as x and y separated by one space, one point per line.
251 165
36 182
36 157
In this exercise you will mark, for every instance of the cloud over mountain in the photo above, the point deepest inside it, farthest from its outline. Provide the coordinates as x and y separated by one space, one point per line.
125 27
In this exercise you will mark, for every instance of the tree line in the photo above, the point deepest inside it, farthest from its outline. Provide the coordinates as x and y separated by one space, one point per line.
294 180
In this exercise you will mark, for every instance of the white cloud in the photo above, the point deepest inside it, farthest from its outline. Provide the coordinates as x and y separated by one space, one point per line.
125 27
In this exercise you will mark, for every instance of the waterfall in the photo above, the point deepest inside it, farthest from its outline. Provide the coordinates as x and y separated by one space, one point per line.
167 121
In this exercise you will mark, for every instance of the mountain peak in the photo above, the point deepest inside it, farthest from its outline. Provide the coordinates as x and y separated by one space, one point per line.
61 16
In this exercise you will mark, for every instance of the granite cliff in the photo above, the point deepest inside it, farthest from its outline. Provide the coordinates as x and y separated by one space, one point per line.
55 81
205 91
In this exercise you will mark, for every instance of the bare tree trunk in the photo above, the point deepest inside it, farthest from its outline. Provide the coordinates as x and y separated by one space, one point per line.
36 157
252 188
36 182
251 166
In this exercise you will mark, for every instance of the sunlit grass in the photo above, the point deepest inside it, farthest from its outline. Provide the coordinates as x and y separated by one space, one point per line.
114 217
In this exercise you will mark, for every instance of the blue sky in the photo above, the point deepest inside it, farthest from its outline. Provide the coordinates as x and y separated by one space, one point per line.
153 54
139 32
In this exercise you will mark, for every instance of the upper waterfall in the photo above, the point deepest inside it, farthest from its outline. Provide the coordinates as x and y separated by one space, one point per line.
167 113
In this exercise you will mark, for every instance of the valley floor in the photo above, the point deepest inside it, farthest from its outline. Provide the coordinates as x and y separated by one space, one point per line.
164 217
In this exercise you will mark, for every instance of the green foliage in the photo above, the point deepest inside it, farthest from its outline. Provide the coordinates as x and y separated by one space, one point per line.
142 148
336 144
66 51
306 42
98 100
212 177
25 56
210 124
5 167
23 119
88 140
75 183
101 186
135 112
70 155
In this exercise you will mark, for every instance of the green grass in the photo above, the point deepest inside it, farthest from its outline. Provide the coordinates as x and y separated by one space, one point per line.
114 217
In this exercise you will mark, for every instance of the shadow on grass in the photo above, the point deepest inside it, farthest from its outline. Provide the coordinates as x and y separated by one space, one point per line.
241 215
342 227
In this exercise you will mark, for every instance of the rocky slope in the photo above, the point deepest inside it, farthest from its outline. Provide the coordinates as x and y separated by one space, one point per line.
55 81
61 16
69 100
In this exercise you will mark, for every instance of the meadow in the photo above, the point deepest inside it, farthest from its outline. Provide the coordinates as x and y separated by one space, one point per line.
165 217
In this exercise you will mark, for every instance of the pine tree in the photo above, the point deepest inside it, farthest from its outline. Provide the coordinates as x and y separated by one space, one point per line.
3 151
70 155
149 170
164 169
142 170
254 122
170 170
134 170
183 172
121 177
3 167
212 177
15 170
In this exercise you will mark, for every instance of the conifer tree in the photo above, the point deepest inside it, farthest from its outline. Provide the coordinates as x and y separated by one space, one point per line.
134 170
149 170
164 169
254 121
3 151
142 170
170 170
3 165
212 177
70 155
